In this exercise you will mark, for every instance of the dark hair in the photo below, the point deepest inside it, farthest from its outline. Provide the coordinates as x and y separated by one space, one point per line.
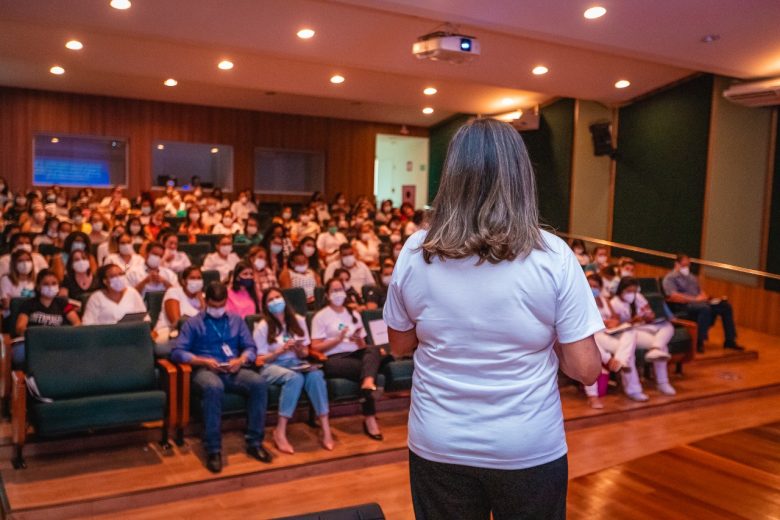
596 248
152 245
314 260
103 273
165 235
216 291
236 286
343 247
679 257
187 270
72 236
69 266
290 318
16 237
43 273
595 277
328 285
296 252
578 243
338 272
625 283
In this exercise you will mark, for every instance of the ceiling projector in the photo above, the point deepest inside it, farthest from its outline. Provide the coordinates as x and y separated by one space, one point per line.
446 46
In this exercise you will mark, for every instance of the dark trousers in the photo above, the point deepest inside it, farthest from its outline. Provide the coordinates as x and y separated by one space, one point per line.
447 491
212 386
356 366
705 316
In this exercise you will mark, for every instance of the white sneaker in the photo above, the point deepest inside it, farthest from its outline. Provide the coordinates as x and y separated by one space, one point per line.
656 354
640 397
666 389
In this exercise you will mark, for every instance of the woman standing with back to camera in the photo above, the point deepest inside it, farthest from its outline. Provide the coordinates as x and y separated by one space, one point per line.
494 305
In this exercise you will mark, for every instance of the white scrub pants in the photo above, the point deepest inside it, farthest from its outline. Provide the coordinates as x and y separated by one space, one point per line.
622 346
656 335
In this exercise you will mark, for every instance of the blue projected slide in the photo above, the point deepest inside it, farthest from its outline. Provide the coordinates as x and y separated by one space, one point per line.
71 172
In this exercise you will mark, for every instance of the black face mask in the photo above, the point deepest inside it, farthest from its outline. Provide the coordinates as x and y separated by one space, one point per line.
247 283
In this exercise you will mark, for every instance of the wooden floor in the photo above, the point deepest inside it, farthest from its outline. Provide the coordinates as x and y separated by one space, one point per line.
714 399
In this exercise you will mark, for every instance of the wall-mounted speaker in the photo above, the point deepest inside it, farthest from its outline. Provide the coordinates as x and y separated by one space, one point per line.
602 139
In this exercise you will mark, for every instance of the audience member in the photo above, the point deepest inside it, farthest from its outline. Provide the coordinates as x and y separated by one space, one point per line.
181 301
223 260
360 273
115 301
242 295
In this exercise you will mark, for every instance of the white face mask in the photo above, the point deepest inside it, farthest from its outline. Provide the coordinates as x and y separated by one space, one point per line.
39 216
118 283
251 230
227 221
348 261
625 274
78 246
337 298
81 266
395 238
215 312
195 286
629 297
24 267
685 271
260 264
305 219
97 226
194 217
308 251
146 210
601 259
365 237
50 291
276 249
301 268
135 229
153 261
52 233
387 279
225 250
286 216
126 249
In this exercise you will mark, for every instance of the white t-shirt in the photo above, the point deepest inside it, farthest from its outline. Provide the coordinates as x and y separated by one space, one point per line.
187 307
134 277
136 262
328 324
260 336
220 229
485 390
101 310
225 266
359 274
329 244
178 263
623 309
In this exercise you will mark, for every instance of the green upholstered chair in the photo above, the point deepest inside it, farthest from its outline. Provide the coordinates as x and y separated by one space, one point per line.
88 378
210 276
296 297
196 252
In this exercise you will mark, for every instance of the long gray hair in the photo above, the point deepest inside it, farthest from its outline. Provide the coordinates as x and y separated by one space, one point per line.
486 205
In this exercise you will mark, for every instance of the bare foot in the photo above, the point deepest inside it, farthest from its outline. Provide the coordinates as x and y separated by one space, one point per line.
281 443
327 442
595 403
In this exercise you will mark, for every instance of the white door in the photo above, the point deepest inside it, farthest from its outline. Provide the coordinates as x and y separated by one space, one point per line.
401 161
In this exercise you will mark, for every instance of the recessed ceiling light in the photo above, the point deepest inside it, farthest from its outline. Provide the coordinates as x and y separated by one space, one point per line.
305 34
430 91
214 150
337 79
427 111
57 70
120 4
161 147
709 38
74 45
508 101
594 12
170 82
55 140
225 65
623 83
539 70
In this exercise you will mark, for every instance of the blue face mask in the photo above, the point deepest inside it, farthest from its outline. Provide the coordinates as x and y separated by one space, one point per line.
276 306
596 291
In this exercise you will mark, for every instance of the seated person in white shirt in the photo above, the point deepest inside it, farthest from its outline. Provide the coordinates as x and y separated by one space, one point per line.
22 241
329 240
114 300
125 257
243 206
173 259
152 277
228 225
115 201
223 260
180 301
212 216
19 282
305 227
360 273
367 245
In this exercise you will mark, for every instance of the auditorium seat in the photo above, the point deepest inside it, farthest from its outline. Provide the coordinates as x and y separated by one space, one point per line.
649 286
296 297
210 276
196 252
91 377
682 344
209 238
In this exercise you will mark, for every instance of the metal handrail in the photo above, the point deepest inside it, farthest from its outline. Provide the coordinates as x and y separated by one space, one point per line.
653 252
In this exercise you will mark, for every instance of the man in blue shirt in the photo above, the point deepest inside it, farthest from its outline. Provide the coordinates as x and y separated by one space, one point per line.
684 294
219 345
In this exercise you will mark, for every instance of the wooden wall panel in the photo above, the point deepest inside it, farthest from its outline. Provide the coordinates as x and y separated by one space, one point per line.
349 146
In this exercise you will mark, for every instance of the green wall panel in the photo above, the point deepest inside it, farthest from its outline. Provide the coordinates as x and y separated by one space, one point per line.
439 139
773 246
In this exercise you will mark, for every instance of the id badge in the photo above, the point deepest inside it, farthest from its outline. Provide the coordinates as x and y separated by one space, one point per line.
227 350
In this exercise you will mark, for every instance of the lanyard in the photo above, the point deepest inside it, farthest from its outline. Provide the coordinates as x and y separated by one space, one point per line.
220 334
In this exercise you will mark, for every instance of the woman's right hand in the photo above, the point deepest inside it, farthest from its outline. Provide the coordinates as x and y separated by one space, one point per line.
611 323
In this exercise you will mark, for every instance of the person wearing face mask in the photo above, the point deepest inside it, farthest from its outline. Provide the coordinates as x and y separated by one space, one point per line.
360 273
61 209
125 257
354 301
397 248
366 246
306 226
99 233
111 245
243 207
78 221
384 215
50 233
309 248
36 221
600 260
186 300
617 350
115 200
46 309
76 241
114 300
578 246
377 295
18 208
242 294
686 296
339 203
278 244
80 276
223 260
627 267
218 345
652 335
264 276
287 218
173 259
297 273
338 333
176 207
282 340
18 283
192 225
227 226
17 242
152 276
155 226
329 241
146 212
212 216
136 231
611 277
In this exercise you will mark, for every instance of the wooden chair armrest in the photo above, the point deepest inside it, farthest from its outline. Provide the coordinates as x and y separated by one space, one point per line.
6 357
18 407
185 373
171 388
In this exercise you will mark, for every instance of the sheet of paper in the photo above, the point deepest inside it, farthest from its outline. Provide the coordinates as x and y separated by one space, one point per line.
378 330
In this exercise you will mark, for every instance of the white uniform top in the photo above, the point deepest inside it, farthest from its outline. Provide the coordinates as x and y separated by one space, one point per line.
485 390
329 244
136 262
101 310
260 336
134 277
178 263
623 309
39 263
359 274
187 307
225 266
220 229
328 324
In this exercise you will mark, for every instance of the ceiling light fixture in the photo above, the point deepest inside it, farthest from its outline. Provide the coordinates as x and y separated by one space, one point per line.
623 83
427 111
161 147
337 79
120 4
55 140
214 150
510 116
57 70
170 82
225 65
430 91
539 70
306 34
594 12
74 45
